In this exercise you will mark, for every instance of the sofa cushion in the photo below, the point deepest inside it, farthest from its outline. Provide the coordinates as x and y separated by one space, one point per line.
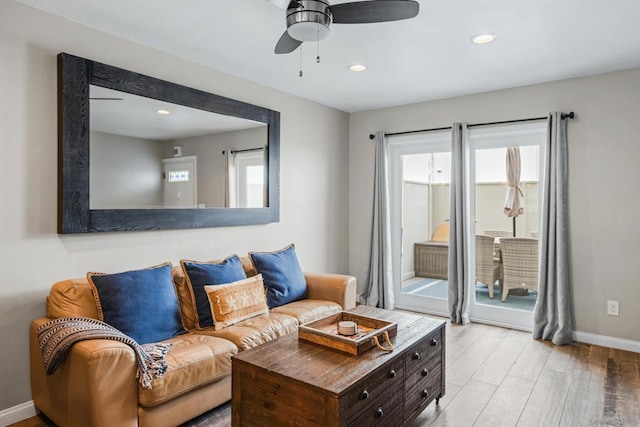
140 303
71 298
185 298
193 361
257 330
200 274
309 310
282 275
237 301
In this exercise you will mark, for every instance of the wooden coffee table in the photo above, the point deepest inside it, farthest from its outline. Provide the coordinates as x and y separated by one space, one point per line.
292 382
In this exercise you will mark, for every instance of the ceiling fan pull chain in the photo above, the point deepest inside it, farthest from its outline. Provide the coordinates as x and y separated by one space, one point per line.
318 57
300 73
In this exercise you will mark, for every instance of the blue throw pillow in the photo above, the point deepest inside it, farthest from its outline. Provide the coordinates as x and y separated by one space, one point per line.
200 274
282 275
142 303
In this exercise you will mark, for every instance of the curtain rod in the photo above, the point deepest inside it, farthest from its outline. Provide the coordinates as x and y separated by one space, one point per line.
242 151
563 116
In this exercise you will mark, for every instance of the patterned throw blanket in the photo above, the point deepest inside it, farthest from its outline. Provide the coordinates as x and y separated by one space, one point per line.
57 336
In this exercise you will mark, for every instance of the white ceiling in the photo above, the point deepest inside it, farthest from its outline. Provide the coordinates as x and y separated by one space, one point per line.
425 58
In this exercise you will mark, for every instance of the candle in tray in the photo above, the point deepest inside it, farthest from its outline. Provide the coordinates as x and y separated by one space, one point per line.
347 327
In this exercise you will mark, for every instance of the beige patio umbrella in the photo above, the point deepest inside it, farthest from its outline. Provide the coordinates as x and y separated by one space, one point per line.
514 200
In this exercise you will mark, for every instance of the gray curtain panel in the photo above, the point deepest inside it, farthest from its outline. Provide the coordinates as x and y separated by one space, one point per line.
552 314
378 290
459 269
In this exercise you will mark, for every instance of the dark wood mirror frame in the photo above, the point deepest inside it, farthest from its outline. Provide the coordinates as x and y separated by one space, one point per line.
74 214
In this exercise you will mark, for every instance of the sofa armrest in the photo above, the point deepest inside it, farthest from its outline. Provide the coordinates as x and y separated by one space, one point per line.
95 385
338 288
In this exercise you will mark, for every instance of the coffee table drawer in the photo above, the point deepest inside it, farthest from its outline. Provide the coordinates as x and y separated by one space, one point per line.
387 411
431 368
421 388
425 350
380 382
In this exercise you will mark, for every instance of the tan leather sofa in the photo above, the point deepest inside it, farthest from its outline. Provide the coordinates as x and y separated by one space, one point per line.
96 385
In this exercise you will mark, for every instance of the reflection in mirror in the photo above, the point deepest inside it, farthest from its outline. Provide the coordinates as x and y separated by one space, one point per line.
114 176
149 154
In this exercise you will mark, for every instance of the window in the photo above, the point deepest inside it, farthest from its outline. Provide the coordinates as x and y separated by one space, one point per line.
247 188
179 176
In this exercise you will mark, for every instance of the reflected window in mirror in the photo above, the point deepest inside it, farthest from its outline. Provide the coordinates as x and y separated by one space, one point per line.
246 177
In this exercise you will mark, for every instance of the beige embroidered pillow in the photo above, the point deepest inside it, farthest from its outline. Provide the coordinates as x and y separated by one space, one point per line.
233 302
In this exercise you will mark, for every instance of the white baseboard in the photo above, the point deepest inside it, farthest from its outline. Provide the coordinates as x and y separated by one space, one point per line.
606 341
17 413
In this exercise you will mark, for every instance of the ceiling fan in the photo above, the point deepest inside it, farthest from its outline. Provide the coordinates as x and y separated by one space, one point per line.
310 20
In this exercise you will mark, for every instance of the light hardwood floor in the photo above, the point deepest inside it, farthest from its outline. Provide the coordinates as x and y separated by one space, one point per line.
502 377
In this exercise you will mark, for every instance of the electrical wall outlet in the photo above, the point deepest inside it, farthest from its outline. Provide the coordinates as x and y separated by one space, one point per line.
613 308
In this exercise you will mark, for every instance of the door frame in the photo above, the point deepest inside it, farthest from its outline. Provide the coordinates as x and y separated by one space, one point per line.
194 181
496 136
398 146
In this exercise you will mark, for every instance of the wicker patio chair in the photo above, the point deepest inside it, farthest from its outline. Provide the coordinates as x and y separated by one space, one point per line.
519 264
441 233
488 269
499 233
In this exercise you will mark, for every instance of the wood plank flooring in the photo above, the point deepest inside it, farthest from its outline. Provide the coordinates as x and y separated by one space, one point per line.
502 377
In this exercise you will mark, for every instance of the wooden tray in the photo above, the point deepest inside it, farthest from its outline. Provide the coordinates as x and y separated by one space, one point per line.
325 332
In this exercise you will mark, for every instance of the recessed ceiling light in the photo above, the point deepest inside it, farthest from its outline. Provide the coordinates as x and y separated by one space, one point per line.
163 111
483 38
357 67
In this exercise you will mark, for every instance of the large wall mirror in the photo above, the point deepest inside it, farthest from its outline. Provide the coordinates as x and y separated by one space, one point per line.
139 153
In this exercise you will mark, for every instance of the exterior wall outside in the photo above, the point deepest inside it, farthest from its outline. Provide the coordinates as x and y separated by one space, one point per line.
603 159
313 177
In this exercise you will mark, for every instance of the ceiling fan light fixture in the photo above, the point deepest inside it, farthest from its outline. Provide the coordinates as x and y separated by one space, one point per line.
308 31
309 20
357 68
483 38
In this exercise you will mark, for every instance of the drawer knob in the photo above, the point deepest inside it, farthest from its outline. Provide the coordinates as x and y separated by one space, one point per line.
434 342
392 374
416 356
425 393
364 395
425 372
379 413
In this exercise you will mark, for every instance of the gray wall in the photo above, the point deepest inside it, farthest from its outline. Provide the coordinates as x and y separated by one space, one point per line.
313 177
603 174
125 173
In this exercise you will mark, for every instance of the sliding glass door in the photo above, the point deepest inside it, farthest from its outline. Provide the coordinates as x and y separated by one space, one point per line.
419 177
419 170
495 253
